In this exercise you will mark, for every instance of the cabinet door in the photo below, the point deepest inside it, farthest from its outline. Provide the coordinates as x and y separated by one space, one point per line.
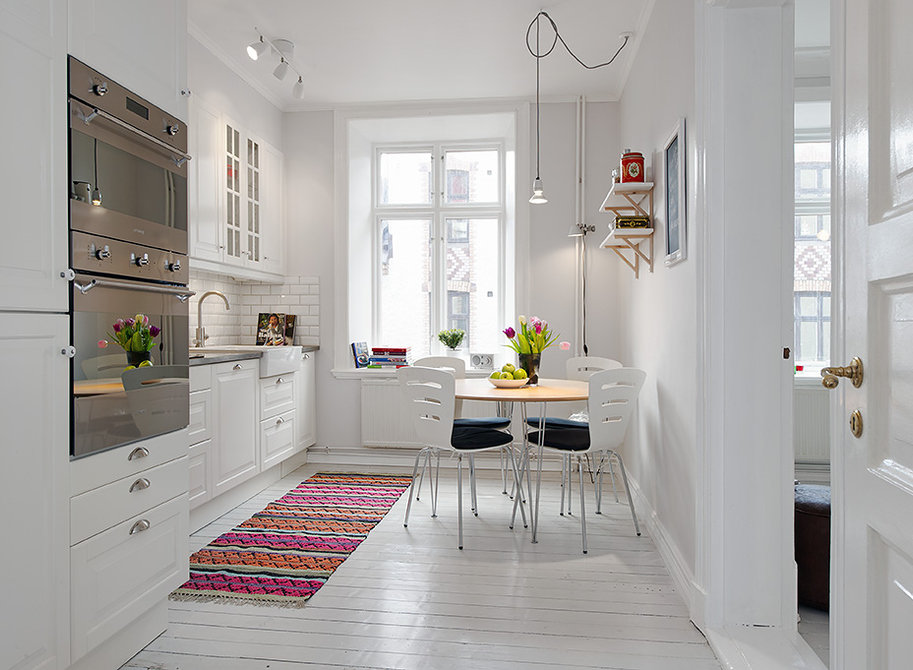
233 187
205 190
234 455
34 250
34 491
307 401
277 439
272 214
140 45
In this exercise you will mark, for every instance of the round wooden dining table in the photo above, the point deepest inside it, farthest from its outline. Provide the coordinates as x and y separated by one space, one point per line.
548 390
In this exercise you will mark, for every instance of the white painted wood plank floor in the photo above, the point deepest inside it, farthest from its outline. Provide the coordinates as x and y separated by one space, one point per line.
408 598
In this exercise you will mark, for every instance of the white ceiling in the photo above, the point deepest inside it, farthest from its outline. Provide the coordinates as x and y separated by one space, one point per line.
360 51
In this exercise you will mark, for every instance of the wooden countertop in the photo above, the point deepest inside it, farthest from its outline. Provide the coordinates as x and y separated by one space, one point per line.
548 390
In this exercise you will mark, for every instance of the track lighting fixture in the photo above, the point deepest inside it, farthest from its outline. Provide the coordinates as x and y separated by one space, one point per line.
284 49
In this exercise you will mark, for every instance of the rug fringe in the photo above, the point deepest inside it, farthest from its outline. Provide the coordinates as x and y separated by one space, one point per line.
263 601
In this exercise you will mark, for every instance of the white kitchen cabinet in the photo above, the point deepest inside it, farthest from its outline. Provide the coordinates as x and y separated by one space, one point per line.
237 222
140 45
277 439
306 380
34 491
34 249
235 457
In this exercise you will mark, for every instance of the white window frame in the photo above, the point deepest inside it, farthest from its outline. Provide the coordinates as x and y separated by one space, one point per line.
437 212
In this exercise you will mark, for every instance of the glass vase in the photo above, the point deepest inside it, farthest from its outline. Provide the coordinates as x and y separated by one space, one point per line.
530 363
134 358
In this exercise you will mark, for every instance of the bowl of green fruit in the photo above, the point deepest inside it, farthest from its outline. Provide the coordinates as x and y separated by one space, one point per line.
508 377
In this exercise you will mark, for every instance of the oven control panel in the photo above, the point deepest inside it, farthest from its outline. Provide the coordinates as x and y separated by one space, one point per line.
103 255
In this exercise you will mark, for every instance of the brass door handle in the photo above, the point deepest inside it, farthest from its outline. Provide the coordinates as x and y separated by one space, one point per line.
853 372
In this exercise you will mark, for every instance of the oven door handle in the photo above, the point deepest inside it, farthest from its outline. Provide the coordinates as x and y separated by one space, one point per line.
178 156
181 294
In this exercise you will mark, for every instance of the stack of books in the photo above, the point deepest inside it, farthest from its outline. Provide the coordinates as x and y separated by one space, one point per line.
390 357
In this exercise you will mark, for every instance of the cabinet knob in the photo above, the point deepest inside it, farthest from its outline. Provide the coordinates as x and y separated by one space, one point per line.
140 526
139 452
280 421
140 484
280 380
237 366
307 356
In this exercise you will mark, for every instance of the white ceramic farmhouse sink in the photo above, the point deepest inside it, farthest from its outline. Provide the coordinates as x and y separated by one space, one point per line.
273 360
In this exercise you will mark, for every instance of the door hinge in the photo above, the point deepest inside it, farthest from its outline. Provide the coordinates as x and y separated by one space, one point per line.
786 353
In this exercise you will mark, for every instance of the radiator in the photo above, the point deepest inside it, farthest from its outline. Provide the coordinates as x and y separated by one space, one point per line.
811 424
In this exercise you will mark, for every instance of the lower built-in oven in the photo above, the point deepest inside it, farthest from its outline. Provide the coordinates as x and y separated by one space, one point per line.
121 396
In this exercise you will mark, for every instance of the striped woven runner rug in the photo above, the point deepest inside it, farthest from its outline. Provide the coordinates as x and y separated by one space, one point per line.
284 554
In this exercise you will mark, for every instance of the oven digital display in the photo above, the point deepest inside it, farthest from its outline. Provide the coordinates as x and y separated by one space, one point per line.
136 108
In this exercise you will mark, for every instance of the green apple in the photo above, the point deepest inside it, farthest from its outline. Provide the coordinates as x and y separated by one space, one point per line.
495 375
506 375
508 368
520 373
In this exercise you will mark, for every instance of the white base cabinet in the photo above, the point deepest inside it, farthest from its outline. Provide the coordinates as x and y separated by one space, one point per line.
306 381
33 491
234 390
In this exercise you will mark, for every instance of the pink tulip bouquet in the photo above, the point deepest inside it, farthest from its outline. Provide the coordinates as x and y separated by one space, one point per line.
534 336
134 334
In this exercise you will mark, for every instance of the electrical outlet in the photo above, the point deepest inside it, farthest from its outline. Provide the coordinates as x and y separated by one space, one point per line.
481 361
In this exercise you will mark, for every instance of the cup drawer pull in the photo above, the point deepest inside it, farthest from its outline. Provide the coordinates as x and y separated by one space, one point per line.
280 421
237 366
280 380
140 484
140 526
139 452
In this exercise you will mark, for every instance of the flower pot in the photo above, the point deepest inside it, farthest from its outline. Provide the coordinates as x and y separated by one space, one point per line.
134 358
530 363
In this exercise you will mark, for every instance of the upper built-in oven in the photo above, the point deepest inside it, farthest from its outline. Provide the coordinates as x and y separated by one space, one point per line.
128 164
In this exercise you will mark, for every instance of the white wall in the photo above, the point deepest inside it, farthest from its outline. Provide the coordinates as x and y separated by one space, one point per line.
659 316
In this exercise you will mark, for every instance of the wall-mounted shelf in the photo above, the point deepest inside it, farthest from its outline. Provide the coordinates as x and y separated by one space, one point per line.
622 240
630 199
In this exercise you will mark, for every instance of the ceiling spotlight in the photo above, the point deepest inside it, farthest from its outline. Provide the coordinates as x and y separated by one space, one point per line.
256 49
281 69
298 89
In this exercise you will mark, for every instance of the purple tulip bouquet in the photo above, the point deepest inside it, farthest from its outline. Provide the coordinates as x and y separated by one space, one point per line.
533 337
134 334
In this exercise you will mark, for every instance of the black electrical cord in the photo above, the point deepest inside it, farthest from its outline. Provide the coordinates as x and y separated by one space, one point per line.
586 351
537 92
539 55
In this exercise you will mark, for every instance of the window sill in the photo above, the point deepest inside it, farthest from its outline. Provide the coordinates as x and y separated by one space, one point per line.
807 382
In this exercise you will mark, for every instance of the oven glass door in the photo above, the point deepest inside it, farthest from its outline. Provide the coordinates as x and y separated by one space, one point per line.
142 190
115 402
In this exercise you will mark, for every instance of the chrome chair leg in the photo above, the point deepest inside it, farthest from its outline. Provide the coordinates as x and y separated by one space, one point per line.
624 477
612 475
519 485
472 485
582 507
570 482
563 483
437 482
503 472
418 456
460 497
421 474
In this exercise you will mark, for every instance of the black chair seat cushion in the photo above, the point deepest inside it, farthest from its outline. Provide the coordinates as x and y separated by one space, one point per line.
466 439
483 422
566 439
813 544
555 422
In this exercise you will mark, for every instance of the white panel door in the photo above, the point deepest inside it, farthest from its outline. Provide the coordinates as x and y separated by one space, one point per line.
33 48
141 45
34 492
205 184
873 485
234 451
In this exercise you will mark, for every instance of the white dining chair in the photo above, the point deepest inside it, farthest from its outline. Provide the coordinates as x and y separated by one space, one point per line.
428 394
610 403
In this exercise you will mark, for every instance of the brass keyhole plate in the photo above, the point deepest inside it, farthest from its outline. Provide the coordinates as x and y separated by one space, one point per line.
856 423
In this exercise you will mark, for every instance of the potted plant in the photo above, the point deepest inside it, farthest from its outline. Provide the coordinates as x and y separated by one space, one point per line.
136 336
452 338
529 342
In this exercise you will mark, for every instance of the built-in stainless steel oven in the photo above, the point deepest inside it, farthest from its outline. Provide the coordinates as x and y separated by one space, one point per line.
128 233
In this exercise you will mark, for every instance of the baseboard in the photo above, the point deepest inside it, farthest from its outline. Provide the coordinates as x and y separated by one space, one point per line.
692 593
127 642
402 457
761 648
813 473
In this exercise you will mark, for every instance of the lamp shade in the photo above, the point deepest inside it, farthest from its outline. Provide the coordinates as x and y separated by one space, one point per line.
298 89
538 193
281 70
256 49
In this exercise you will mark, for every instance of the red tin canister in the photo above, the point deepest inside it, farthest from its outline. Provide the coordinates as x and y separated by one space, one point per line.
632 166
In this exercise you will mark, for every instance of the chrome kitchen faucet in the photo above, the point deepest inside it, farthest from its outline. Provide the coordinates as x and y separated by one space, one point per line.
201 336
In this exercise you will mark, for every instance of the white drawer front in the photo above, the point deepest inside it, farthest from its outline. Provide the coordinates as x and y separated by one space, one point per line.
101 508
100 469
200 466
277 439
200 377
200 427
277 395
116 577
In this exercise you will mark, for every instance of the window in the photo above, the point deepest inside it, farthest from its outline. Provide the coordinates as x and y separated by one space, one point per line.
812 272
439 245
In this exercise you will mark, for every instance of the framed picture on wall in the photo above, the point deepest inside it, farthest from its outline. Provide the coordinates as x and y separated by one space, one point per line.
675 195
